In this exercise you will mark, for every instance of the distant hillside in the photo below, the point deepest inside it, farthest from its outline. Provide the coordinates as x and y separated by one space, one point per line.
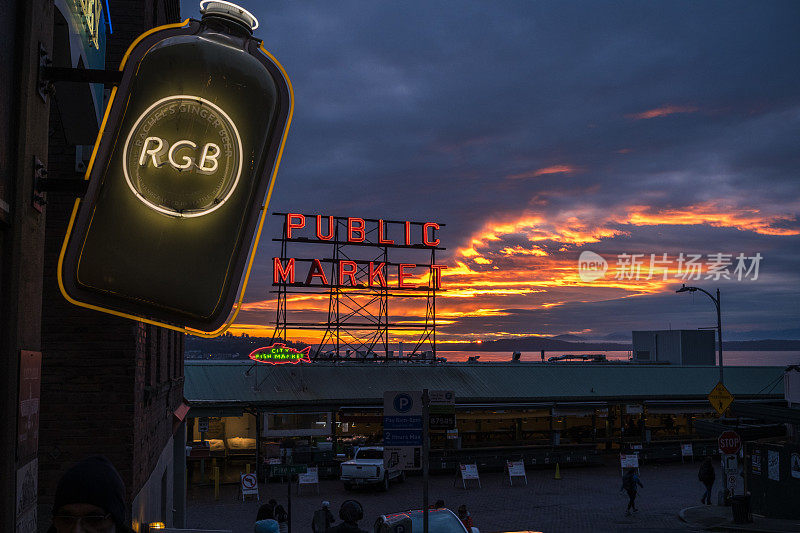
233 347
239 347
556 344
766 345
528 344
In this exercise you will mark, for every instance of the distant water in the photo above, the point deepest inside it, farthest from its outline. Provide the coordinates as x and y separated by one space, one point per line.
746 358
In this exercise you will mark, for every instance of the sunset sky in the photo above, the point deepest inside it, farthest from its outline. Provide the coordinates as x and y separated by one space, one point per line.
539 130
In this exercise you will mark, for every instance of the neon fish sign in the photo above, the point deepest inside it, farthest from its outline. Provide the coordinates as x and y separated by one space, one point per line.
279 354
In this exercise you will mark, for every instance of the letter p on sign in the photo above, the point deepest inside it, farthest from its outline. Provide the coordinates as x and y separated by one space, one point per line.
403 403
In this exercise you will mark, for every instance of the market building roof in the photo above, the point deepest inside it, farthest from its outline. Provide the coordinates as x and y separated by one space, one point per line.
331 385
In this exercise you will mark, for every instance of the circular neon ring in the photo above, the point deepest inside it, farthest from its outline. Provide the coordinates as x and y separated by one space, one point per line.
172 212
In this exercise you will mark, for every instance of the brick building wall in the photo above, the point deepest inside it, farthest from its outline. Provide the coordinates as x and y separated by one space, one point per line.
25 25
158 392
109 385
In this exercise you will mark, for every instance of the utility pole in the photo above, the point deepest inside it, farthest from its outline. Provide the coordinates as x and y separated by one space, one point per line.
719 333
716 301
426 400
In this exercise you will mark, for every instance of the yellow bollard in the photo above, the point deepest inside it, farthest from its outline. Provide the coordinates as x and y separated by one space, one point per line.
216 483
558 472
247 468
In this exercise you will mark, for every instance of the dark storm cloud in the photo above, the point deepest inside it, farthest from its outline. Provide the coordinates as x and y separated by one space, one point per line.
433 110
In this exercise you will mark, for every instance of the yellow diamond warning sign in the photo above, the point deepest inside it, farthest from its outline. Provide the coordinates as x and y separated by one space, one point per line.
720 398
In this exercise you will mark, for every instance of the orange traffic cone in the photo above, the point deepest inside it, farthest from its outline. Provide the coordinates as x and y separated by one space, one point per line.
558 473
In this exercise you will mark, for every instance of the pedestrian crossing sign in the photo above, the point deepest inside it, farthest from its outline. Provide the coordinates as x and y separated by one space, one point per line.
720 398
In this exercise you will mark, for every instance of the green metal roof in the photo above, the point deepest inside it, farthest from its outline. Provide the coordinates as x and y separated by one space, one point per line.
228 383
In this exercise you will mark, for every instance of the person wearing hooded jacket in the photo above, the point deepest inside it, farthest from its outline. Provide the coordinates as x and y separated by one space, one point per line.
265 519
707 476
268 525
631 484
90 496
282 517
322 519
350 513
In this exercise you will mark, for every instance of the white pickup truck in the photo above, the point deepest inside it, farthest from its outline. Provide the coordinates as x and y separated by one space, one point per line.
366 468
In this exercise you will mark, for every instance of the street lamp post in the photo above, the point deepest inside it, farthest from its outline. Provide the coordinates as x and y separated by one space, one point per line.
684 288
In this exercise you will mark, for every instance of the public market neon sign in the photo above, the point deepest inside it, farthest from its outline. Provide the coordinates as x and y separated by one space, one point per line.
372 273
280 354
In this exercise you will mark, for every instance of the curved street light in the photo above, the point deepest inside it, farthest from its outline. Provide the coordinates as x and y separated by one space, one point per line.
684 288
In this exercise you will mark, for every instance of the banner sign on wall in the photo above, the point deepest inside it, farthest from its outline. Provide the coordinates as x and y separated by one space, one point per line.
30 373
180 176
794 465
755 462
773 465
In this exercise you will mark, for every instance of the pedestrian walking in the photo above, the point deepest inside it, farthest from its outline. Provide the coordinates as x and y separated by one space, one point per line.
266 511
265 519
707 476
438 505
90 496
323 519
282 517
465 517
631 484
350 512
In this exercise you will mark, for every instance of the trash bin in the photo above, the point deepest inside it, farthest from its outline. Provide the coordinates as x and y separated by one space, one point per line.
740 505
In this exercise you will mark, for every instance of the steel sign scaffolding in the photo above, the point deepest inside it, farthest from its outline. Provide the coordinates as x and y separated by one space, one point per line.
358 319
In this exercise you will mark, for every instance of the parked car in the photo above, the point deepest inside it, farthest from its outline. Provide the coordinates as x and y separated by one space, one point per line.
439 521
366 468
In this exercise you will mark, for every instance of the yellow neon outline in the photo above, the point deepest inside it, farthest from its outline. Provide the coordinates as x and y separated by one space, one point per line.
238 304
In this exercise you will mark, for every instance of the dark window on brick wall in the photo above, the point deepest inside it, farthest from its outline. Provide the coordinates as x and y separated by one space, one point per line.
176 354
181 348
170 356
159 359
148 355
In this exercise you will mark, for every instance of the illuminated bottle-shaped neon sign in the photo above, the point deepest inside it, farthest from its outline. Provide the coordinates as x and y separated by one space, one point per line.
181 175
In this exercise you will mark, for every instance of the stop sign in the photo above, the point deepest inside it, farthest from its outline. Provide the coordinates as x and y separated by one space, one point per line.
729 442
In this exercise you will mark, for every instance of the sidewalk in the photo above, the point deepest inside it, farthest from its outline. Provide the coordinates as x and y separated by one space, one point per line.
716 518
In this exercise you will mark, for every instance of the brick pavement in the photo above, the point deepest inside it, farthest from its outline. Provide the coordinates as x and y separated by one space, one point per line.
586 499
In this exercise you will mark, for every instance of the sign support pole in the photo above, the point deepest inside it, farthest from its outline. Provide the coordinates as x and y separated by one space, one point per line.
289 503
725 485
719 336
426 400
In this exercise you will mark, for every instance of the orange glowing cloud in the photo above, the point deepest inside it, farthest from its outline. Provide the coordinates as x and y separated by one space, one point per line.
528 263
663 111
712 213
556 169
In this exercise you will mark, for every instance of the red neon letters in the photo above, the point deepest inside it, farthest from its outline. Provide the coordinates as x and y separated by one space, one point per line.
359 273
373 274
349 272
381 236
316 272
320 236
356 226
278 272
359 228
291 225
402 275
425 240
377 271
